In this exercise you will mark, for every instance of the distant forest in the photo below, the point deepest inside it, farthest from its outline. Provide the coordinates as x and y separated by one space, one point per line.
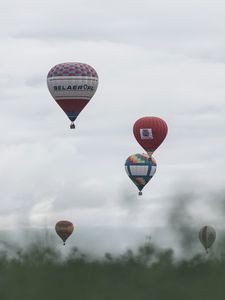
41 273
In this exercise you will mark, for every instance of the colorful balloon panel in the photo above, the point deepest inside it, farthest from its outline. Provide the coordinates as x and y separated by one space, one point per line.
150 133
72 85
64 229
140 168
207 236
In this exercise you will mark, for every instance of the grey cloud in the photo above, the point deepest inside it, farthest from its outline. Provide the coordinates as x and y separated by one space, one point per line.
122 22
185 225
211 109
181 221
35 81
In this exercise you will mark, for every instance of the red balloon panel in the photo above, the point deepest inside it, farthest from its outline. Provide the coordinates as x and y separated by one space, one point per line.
150 132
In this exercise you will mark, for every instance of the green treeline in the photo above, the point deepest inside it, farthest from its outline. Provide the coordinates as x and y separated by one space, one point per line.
40 273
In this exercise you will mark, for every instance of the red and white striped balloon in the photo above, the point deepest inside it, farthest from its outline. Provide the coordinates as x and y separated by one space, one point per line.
72 85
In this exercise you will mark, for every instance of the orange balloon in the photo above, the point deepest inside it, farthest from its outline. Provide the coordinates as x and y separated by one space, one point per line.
64 229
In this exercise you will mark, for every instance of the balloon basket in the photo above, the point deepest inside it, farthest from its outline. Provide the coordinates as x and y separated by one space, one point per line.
149 155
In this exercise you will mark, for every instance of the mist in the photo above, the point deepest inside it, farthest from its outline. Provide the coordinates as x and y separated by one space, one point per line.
120 263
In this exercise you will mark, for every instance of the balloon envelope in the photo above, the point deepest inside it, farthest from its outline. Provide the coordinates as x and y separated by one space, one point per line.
140 168
72 85
207 236
64 229
150 132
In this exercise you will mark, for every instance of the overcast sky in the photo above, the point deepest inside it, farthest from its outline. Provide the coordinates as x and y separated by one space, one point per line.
154 58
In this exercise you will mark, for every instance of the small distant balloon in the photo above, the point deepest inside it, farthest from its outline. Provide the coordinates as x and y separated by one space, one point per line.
140 168
72 85
64 229
150 132
207 236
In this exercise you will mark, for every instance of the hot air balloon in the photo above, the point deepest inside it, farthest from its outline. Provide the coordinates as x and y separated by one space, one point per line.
72 85
150 133
207 236
64 229
140 168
